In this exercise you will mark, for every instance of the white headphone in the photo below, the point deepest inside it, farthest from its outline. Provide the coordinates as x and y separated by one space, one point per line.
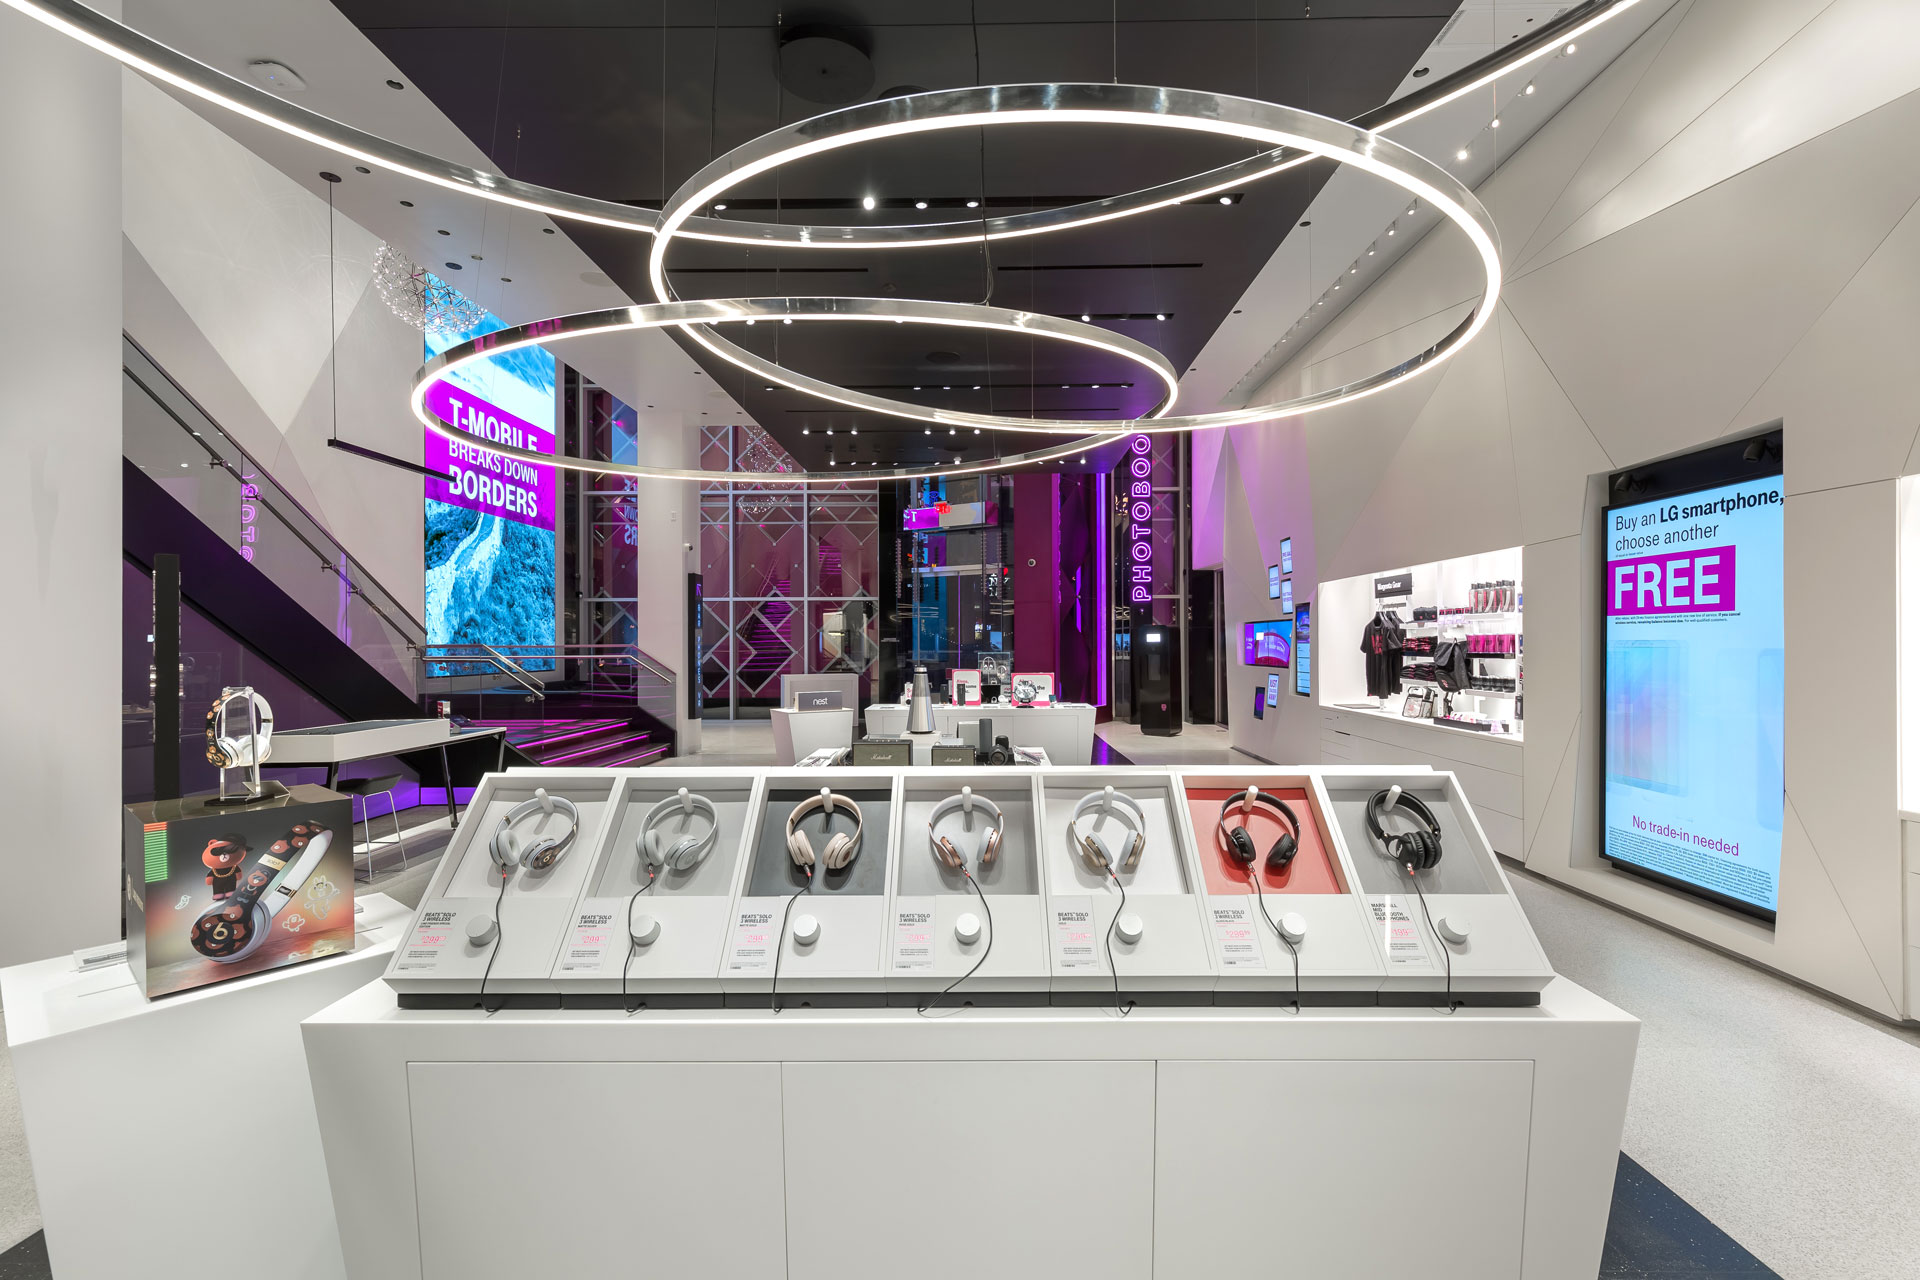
1092 850
545 850
248 749
944 847
685 853
841 848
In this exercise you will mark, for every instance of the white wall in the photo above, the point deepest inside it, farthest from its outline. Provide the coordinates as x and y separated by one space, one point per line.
1719 232
227 288
59 492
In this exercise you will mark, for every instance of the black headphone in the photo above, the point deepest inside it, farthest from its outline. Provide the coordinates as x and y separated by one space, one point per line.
1240 841
1418 850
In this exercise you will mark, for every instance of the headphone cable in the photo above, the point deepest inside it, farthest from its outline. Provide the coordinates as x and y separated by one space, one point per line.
499 936
1445 951
1278 932
1127 1008
780 942
987 951
651 872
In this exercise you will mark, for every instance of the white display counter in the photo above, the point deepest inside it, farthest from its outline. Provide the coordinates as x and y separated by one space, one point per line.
175 1138
1010 1143
1064 729
798 734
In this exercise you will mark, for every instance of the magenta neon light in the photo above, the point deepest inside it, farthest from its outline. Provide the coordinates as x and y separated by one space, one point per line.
1140 521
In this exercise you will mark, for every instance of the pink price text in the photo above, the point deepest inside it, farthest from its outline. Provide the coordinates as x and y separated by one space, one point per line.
1697 581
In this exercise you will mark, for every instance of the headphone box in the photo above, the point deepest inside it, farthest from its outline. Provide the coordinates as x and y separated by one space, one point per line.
224 891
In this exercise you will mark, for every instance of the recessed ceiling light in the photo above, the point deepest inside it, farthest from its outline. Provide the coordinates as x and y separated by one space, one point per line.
1419 72
1223 200
1370 250
806 431
1392 230
406 204
720 208
183 466
786 320
1573 48
976 431
1529 89
476 257
1353 271
1306 222
443 231
360 168
1462 154
928 431
919 204
1160 315
976 386
1096 386
275 75
829 430
454 266
1495 123
973 204
953 431
1336 288
395 84
1063 386
946 388
867 202
506 279
916 388
853 430
547 230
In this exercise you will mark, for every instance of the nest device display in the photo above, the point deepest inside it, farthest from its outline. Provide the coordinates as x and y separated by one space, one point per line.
1268 644
967 918
1121 882
1281 896
1443 916
650 924
501 901
809 924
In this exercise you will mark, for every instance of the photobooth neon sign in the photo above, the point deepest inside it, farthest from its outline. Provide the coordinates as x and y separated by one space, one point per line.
1140 520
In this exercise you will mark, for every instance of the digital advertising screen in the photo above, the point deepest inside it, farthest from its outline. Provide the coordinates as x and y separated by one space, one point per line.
1268 644
1273 582
1303 649
1695 634
489 546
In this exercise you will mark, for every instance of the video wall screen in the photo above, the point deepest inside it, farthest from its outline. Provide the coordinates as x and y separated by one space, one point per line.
1695 633
489 546
1268 644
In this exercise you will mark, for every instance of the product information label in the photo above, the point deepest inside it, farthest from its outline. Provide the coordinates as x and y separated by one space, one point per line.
1235 937
593 935
421 952
1400 936
754 937
1075 937
913 938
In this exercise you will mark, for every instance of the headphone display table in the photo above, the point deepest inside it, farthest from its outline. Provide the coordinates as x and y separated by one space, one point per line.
1016 1143
1064 730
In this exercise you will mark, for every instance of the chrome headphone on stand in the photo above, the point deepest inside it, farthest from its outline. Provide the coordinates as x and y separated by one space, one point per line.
944 847
233 929
545 850
841 847
687 851
1240 841
1091 848
252 749
1417 850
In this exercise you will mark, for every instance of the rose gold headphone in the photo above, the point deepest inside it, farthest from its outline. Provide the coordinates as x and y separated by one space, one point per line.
944 847
841 848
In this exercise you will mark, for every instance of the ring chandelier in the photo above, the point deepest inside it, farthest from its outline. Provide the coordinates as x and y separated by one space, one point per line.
1294 136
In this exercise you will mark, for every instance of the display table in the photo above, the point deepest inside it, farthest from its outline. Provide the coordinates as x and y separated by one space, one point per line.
164 1133
797 734
1017 1144
844 683
1064 729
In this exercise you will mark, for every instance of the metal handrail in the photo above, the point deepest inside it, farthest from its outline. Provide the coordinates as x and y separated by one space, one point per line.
562 651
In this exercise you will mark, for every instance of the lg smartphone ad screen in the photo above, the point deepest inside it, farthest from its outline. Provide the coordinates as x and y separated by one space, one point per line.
1696 690
490 527
1268 644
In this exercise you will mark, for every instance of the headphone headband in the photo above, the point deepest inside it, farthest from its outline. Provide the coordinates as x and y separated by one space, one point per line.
1280 807
1420 849
544 851
687 852
1239 840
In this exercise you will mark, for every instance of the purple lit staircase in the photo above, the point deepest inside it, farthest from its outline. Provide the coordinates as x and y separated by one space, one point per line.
577 743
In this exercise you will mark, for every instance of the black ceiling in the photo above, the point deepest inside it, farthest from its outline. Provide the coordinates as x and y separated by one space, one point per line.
569 93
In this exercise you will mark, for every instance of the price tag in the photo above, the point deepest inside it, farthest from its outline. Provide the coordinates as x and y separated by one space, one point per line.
421 952
913 938
754 938
1401 937
593 934
1075 936
1236 937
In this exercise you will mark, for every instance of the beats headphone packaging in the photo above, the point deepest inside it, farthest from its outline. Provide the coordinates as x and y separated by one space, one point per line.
218 892
966 920
1121 882
1283 908
650 925
501 903
809 925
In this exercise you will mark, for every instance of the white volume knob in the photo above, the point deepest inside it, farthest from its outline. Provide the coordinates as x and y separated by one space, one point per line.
481 930
1293 927
645 930
1129 928
967 928
806 931
1454 928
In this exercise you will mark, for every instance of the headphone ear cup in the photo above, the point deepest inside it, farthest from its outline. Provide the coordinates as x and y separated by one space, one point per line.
501 849
839 852
650 848
1280 857
1432 839
1135 847
680 856
799 848
948 853
1240 845
1093 851
991 849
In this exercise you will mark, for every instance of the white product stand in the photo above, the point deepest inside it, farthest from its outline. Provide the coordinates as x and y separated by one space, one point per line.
798 734
1014 1143
1064 730
174 1138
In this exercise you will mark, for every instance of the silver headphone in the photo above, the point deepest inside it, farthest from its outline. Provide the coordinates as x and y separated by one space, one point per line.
545 850
250 748
943 846
687 851
1091 848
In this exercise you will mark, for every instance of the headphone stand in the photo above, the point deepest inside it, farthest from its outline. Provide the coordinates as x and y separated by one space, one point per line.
251 792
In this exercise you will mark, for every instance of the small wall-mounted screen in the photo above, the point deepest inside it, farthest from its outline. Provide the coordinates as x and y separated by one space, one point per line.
1268 644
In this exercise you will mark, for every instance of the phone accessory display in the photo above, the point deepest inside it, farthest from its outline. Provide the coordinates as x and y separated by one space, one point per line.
1239 841
950 856
234 927
544 850
841 846
687 851
1092 849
